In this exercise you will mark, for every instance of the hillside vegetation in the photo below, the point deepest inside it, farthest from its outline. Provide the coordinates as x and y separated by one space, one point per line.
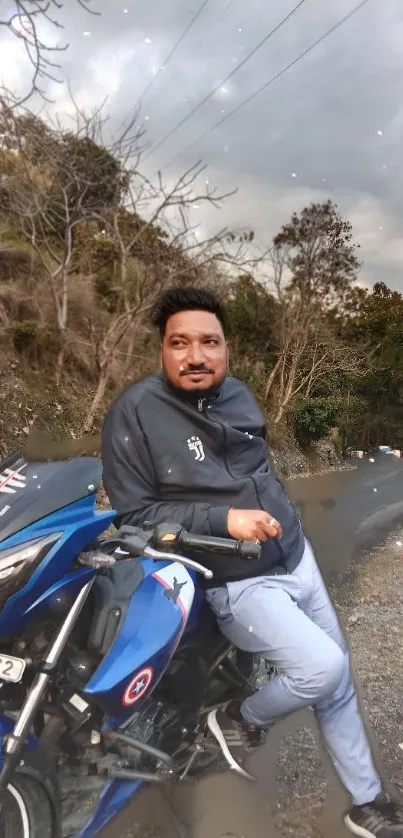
86 245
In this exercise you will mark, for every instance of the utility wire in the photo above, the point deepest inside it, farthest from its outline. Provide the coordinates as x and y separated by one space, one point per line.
171 54
270 81
220 16
224 81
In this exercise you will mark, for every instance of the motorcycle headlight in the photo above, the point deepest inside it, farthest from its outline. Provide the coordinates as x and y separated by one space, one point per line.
18 563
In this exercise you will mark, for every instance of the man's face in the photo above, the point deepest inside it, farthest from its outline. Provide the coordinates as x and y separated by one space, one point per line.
194 351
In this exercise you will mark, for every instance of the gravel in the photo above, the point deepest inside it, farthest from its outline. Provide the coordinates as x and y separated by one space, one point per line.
369 601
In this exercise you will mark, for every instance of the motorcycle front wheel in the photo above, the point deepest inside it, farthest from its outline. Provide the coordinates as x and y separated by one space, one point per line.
25 811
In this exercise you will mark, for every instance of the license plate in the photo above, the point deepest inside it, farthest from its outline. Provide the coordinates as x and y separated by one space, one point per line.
11 669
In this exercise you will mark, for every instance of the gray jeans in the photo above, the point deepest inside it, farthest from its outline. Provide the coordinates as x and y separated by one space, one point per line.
291 621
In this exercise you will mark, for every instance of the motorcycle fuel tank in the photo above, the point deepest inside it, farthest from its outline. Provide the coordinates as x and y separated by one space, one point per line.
155 620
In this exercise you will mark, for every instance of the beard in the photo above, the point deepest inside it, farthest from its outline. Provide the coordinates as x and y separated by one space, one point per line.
195 393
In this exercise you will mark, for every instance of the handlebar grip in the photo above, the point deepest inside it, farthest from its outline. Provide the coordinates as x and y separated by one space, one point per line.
207 542
247 550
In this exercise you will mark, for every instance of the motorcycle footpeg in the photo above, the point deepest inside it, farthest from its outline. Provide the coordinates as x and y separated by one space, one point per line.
143 747
128 774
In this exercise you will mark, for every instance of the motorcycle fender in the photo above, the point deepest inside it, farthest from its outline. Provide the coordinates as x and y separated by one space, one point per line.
116 796
36 764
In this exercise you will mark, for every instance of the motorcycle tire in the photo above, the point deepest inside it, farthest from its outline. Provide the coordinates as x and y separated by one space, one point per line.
25 811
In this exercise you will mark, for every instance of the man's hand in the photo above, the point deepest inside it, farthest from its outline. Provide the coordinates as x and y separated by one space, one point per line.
252 525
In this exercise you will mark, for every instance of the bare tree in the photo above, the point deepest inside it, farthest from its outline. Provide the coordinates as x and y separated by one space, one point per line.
63 185
155 245
24 21
309 354
60 180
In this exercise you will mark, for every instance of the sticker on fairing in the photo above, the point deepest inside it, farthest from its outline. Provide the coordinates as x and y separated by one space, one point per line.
138 686
179 587
11 480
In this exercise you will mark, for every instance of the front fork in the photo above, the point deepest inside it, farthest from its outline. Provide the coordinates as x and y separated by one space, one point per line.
14 743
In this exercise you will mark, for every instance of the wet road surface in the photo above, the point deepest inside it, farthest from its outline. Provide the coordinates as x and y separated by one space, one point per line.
342 512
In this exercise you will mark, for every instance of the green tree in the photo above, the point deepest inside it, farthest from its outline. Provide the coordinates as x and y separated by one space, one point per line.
380 323
319 252
314 264
251 317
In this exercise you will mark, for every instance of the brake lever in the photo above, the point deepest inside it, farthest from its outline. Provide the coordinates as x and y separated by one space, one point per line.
161 556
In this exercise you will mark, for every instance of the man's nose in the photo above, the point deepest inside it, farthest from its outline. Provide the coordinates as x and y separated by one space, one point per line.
195 355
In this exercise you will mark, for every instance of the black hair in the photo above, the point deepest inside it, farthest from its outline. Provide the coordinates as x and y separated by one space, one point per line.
175 300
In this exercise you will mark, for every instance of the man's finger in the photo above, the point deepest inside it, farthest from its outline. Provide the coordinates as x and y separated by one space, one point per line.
276 524
261 531
265 531
271 529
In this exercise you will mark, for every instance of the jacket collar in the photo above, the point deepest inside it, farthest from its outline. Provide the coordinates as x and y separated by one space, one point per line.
197 399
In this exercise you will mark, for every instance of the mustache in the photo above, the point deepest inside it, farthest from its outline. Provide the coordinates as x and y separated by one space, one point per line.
191 370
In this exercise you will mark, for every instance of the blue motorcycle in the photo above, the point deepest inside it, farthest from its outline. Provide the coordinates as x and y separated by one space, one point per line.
110 660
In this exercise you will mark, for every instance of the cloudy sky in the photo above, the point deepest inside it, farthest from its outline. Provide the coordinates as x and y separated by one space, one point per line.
330 126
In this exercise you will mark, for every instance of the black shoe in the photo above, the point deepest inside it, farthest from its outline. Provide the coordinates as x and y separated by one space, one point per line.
381 819
235 737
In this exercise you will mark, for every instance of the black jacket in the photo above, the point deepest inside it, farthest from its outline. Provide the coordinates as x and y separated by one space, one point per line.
170 457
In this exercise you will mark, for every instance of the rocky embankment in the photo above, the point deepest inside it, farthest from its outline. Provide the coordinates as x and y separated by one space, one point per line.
290 460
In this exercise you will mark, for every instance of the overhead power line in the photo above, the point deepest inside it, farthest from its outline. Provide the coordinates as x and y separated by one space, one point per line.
269 82
227 78
215 24
171 54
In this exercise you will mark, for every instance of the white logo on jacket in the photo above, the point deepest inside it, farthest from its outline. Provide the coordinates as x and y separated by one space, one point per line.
195 444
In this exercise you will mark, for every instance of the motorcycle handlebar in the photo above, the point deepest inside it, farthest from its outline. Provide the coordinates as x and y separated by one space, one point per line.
165 542
174 538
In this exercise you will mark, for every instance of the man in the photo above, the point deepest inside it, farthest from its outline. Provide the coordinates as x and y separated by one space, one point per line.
188 445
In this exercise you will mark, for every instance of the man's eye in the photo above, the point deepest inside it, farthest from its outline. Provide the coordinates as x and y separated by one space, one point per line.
212 342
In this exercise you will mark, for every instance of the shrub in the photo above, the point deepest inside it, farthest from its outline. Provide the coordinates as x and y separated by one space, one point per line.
313 418
25 335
